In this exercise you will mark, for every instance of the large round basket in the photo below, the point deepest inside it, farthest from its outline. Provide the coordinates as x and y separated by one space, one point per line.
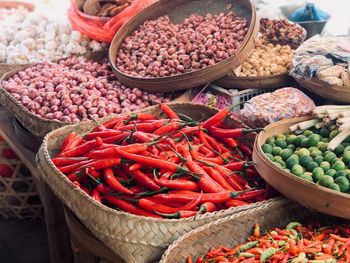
235 229
12 4
275 81
178 10
308 194
325 90
133 238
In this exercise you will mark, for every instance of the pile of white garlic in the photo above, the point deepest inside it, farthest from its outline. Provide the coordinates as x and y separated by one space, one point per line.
34 37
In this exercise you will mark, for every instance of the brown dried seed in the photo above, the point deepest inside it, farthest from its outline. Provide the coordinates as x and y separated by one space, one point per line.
91 7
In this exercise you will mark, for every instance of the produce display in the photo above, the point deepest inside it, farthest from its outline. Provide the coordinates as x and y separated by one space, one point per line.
159 48
317 150
75 89
281 104
295 243
325 58
282 31
102 8
164 168
35 37
266 59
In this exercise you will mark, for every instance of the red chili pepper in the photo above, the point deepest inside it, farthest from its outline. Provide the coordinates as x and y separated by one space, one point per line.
244 148
179 214
171 127
103 134
250 195
96 195
116 138
218 178
203 139
113 182
81 149
206 207
76 177
217 118
205 150
238 166
68 139
189 259
235 203
145 127
186 131
230 133
149 205
64 161
104 163
177 184
142 116
127 207
192 204
144 180
73 167
214 143
169 111
199 260
230 142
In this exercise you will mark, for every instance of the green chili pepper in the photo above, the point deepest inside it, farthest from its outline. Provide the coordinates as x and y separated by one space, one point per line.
294 233
247 246
300 258
292 225
273 233
246 254
281 243
267 254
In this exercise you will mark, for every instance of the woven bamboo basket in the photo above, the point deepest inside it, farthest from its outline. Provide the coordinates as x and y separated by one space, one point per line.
37 125
235 229
18 195
134 238
308 194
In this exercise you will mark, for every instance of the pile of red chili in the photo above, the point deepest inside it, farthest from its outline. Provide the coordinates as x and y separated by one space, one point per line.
164 168
294 244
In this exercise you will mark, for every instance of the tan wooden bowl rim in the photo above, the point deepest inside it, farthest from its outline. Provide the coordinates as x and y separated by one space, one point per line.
12 4
187 74
277 76
313 186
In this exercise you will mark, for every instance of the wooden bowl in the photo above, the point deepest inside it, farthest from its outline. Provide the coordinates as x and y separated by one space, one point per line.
178 10
325 90
308 194
241 83
12 4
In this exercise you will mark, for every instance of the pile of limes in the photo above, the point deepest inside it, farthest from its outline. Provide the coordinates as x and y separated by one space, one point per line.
306 156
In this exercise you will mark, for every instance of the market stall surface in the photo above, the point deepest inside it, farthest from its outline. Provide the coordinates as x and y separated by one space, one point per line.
23 241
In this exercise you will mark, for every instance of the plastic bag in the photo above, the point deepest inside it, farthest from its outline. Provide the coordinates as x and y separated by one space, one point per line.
271 107
308 12
100 30
209 98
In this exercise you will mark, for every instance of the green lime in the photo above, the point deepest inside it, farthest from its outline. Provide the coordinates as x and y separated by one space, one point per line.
276 150
270 156
291 139
305 159
277 158
307 133
281 143
347 149
339 150
316 153
298 140
324 132
338 165
334 187
331 172
291 146
343 183
313 140
297 170
271 141
311 166
281 162
267 148
333 134
326 140
346 144
281 136
305 143
329 157
340 174
317 173
346 157
322 146
326 180
325 166
302 152
318 159
294 156
306 177
291 161
347 140
335 160
286 153
312 148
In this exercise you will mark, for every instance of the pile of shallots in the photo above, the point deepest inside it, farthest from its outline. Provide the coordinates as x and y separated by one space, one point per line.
76 89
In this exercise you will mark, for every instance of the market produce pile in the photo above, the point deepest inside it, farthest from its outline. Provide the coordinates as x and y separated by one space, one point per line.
296 243
102 8
325 58
76 89
317 150
159 48
282 31
18 12
163 168
35 37
266 59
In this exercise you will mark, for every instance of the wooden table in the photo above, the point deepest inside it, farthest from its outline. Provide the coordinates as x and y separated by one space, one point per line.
58 236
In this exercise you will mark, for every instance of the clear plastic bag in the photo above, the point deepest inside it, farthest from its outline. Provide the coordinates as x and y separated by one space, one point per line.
271 107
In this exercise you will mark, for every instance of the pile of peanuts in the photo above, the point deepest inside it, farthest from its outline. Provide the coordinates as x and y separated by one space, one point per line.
159 48
75 89
266 60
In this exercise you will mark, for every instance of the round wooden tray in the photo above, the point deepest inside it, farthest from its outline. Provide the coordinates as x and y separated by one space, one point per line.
275 81
337 93
178 10
12 4
308 194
